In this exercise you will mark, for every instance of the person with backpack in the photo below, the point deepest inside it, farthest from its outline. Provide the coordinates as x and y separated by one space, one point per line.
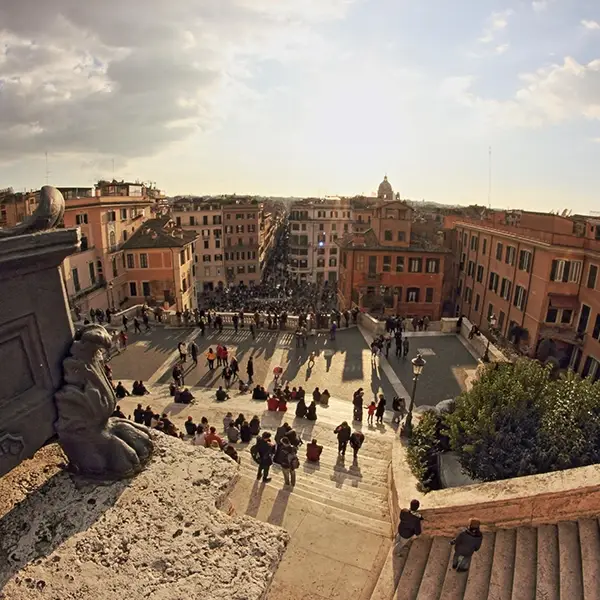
289 461
356 441
409 525
343 433
466 543
262 453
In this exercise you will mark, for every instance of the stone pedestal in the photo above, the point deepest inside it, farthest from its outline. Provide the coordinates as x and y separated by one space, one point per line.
35 334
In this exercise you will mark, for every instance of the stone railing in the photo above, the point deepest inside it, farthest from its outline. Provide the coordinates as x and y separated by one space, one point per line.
374 326
478 344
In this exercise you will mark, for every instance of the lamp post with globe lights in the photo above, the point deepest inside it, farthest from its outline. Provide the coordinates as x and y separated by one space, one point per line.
418 364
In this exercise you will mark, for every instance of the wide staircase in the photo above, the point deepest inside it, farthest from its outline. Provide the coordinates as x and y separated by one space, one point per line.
548 562
337 514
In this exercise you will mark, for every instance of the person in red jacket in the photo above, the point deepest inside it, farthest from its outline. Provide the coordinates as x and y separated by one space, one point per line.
313 451
272 403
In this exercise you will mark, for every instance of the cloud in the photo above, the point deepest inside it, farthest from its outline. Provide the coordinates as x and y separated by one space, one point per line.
495 23
502 48
590 25
128 78
553 94
539 5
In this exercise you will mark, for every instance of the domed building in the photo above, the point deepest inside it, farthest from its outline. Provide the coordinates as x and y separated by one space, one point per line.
385 191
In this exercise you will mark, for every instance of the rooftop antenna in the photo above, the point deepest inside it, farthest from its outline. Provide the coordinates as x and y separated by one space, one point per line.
47 171
490 177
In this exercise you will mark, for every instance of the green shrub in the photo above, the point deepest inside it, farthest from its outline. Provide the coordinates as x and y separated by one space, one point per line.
423 448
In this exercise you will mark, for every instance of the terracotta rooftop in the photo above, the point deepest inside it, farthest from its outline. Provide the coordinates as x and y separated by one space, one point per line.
159 233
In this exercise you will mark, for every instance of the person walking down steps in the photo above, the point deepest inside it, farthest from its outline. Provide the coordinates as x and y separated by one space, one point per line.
409 526
466 543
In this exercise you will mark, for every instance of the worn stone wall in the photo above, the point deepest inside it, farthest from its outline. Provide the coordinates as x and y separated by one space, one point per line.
159 536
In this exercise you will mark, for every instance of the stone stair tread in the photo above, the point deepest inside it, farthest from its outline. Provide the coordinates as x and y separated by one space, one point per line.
503 565
589 535
436 569
569 552
317 506
390 575
548 564
524 577
412 574
477 579
326 486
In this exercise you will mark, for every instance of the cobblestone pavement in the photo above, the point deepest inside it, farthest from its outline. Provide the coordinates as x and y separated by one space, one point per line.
341 366
444 374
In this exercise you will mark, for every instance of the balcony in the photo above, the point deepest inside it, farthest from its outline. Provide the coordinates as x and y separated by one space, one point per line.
563 333
374 277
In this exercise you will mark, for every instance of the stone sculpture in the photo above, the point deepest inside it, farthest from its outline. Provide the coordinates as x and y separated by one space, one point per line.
97 444
42 393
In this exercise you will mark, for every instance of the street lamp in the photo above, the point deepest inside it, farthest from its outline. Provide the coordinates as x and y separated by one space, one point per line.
382 290
491 325
418 364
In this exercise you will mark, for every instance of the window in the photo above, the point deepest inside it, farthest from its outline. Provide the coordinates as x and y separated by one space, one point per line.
123 214
462 261
218 257
125 235
490 311
525 261
239 216
250 216
478 297
184 285
216 220
204 220
429 295
501 320
206 244
75 277
115 270
464 239
360 262
146 289
251 268
505 288
241 269
596 332
143 261
228 228
206 258
387 264
412 295
84 243
182 257
387 235
178 221
565 270
132 288
484 248
192 222
206 271
471 269
575 274
433 265
81 219
239 229
551 315
566 316
511 252
480 273
499 249
111 216
228 216
415 265
590 368
130 261
474 242
592 274
205 233
519 299
494 282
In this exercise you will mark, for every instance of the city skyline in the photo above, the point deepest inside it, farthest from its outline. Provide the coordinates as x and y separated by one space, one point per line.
307 99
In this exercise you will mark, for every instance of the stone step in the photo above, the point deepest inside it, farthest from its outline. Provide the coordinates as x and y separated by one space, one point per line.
304 488
436 570
548 563
377 503
569 553
503 565
412 574
478 577
524 582
589 536
315 505
390 575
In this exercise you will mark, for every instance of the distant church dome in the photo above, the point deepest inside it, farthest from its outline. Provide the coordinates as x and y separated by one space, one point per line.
385 191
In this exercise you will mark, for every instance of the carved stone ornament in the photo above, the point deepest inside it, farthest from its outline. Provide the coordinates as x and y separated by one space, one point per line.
48 214
97 444
10 445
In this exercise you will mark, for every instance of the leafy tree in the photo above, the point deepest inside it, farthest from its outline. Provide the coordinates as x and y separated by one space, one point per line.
494 425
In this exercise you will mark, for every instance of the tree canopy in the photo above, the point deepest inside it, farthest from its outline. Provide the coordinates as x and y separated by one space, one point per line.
519 420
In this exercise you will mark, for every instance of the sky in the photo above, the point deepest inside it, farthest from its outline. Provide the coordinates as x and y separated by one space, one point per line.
307 97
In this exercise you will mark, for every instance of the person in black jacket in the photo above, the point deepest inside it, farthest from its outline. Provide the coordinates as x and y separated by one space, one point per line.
409 526
466 543
265 450
343 433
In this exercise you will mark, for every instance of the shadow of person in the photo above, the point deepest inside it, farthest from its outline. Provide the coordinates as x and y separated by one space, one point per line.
255 498
279 507
51 514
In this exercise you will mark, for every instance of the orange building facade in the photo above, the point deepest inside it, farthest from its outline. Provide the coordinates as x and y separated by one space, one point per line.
385 269
537 274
